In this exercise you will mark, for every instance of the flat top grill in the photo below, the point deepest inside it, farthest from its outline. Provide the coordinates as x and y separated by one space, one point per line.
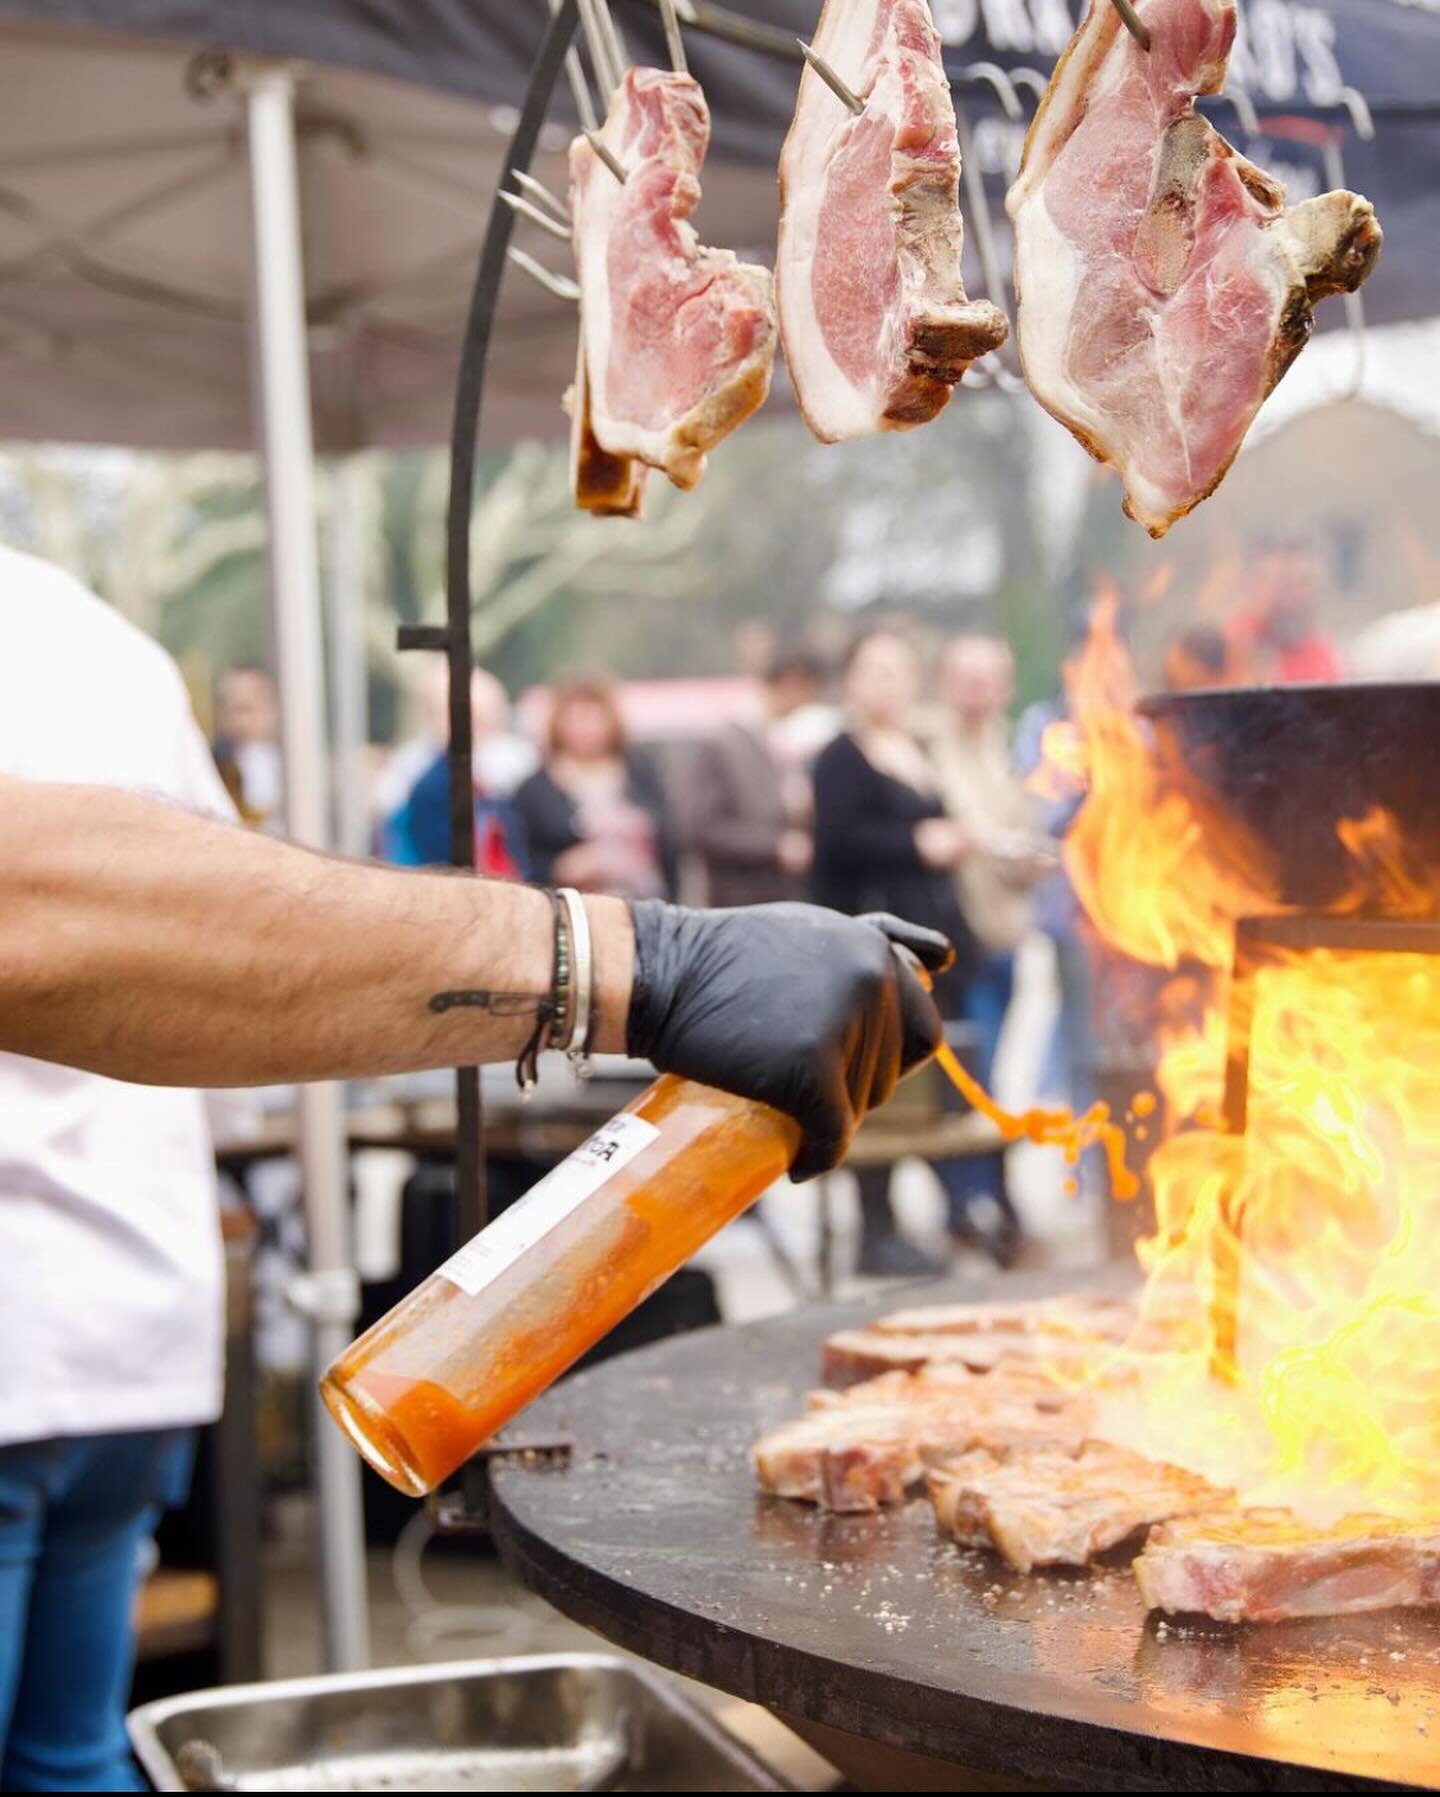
653 1534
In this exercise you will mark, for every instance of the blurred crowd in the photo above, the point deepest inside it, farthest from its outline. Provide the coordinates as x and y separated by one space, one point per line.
897 779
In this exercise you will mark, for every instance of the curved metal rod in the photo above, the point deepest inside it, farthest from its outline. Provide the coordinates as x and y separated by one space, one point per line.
464 435
1038 84
1361 118
995 77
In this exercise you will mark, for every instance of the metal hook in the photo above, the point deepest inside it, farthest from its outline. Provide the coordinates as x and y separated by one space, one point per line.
560 285
1038 84
979 210
605 55
1333 157
541 194
841 90
536 216
1358 107
1133 23
674 43
995 76
598 144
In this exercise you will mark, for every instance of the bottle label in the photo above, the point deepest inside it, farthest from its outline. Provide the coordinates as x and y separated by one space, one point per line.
497 1247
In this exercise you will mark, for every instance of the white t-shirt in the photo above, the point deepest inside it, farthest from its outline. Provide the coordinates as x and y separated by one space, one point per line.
111 1274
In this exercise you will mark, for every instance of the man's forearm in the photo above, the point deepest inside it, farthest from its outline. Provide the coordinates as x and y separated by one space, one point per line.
144 943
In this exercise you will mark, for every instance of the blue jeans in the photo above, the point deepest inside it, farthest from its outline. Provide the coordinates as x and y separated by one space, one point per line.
73 1516
988 992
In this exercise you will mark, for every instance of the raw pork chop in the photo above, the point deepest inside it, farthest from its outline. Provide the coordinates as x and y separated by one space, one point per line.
865 1447
1041 1507
1266 1565
679 339
1164 286
610 486
876 324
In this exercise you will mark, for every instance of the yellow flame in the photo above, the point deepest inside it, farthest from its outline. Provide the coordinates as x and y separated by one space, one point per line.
1289 1342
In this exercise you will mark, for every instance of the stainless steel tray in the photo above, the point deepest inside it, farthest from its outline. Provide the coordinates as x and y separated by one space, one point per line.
549 1722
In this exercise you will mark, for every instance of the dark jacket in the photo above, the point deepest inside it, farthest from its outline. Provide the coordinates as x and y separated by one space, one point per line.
551 825
736 817
865 854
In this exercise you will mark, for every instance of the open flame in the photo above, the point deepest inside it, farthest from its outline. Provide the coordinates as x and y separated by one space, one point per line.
1289 1342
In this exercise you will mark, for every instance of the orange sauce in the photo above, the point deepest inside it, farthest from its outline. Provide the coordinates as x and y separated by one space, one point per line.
1055 1129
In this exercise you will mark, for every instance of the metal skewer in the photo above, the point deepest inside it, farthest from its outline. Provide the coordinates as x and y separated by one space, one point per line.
541 194
994 76
1134 24
833 81
674 43
598 144
560 285
536 216
1333 157
1032 79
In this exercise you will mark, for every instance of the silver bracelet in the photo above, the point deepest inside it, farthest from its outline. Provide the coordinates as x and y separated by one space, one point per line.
582 976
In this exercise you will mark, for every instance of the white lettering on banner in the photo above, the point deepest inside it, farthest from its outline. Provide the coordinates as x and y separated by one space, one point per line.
1007 25
486 1256
1315 38
1270 36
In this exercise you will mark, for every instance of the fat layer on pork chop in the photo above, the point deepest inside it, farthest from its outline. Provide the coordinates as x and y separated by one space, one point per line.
873 312
1267 1566
1040 1507
1164 286
608 486
679 338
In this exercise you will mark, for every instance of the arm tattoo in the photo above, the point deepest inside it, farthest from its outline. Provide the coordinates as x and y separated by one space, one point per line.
499 1004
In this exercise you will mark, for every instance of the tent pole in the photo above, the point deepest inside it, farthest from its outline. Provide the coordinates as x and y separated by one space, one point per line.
345 639
282 403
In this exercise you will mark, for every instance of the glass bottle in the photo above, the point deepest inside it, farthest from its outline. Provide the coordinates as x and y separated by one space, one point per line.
468 1349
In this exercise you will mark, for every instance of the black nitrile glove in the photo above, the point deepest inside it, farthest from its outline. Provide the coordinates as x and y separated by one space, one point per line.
799 1007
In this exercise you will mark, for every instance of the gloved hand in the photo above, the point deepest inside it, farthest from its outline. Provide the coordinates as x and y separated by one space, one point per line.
799 1007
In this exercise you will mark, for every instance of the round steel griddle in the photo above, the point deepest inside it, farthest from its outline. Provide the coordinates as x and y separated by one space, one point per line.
653 1534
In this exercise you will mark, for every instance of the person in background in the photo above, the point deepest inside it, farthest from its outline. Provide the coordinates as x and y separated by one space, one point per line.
1277 630
415 829
111 1278
594 815
884 841
994 879
1068 1075
750 803
1202 658
247 744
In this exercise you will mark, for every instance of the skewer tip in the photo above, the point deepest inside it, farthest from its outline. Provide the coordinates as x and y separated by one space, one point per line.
598 144
842 91
1133 23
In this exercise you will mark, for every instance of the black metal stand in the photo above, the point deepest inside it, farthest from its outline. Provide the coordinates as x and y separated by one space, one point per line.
453 637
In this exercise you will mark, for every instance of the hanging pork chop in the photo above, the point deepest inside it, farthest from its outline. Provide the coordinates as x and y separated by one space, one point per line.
679 340
1164 285
873 313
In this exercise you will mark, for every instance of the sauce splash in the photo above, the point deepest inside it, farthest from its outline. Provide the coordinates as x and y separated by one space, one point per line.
1051 1129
